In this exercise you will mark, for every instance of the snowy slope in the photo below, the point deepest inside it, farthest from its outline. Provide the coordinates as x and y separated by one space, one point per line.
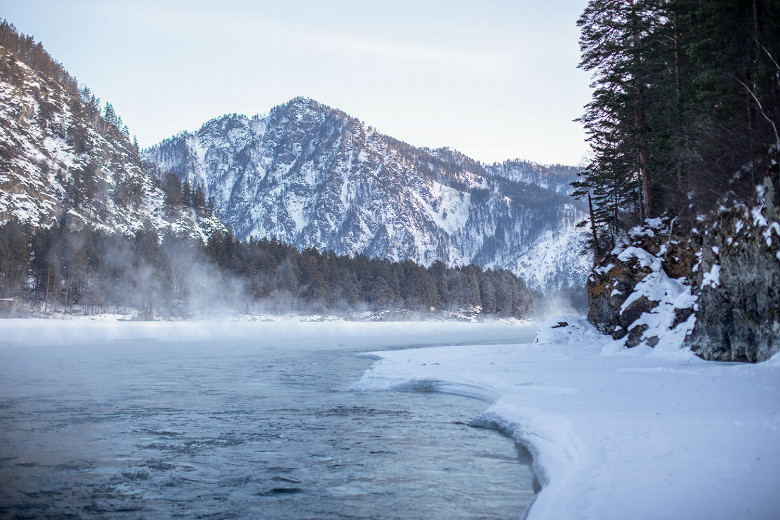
44 165
557 178
617 433
313 176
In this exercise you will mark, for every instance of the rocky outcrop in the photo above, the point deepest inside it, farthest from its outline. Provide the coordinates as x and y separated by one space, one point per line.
714 288
738 316
643 276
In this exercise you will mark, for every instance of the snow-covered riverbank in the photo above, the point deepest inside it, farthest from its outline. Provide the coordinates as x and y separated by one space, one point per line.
615 433
618 433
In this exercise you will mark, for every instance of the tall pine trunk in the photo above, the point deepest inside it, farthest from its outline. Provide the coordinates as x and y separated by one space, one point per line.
46 299
593 230
640 126
679 139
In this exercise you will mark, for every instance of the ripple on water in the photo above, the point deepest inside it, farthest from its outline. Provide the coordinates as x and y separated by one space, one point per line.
266 433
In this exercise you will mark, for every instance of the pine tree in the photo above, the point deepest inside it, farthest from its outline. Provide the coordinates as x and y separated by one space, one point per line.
686 93
109 115
172 191
487 293
198 198
186 193
14 257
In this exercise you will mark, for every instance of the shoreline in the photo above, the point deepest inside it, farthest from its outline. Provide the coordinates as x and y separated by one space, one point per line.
613 433
616 433
392 316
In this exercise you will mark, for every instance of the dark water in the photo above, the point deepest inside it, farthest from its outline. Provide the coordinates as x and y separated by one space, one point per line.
204 430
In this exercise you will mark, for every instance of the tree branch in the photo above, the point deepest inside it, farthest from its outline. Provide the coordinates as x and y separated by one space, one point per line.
761 109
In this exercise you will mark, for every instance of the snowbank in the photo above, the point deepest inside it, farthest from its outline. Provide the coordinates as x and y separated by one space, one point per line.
617 433
568 329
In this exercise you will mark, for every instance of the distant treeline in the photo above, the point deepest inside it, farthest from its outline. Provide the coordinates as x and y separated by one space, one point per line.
91 271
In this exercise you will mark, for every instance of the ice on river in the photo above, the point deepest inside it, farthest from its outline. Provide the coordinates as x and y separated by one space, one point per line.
618 433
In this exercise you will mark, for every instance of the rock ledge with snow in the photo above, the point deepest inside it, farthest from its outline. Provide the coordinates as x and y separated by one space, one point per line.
715 289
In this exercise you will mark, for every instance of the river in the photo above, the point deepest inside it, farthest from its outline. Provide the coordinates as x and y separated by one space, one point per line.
249 427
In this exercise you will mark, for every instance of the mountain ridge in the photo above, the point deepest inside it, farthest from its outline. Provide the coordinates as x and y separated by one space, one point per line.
65 160
314 176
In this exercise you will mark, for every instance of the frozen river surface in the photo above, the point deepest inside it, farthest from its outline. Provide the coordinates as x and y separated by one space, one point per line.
239 421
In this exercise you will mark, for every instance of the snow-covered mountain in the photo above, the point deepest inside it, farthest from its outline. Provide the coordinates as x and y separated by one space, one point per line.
556 177
314 176
63 159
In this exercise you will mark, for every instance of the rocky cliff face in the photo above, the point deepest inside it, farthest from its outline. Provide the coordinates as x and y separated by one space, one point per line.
313 176
715 288
640 290
738 315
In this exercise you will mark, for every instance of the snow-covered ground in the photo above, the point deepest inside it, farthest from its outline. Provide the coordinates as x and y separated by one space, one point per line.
617 433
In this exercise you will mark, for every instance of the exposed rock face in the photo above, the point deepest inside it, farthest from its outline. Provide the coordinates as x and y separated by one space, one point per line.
739 303
636 278
715 289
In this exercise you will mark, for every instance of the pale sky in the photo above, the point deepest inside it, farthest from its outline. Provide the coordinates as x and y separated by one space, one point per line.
493 79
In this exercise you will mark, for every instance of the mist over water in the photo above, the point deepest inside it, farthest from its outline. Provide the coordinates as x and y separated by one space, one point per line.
236 420
89 271
564 301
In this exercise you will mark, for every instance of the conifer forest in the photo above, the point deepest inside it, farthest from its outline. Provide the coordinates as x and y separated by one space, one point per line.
686 95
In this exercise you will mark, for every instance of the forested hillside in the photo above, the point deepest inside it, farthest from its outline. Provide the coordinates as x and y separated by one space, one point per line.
686 105
86 226
68 159
684 185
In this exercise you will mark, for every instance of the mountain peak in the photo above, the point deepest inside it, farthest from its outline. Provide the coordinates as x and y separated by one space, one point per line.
302 101
304 108
302 104
313 176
